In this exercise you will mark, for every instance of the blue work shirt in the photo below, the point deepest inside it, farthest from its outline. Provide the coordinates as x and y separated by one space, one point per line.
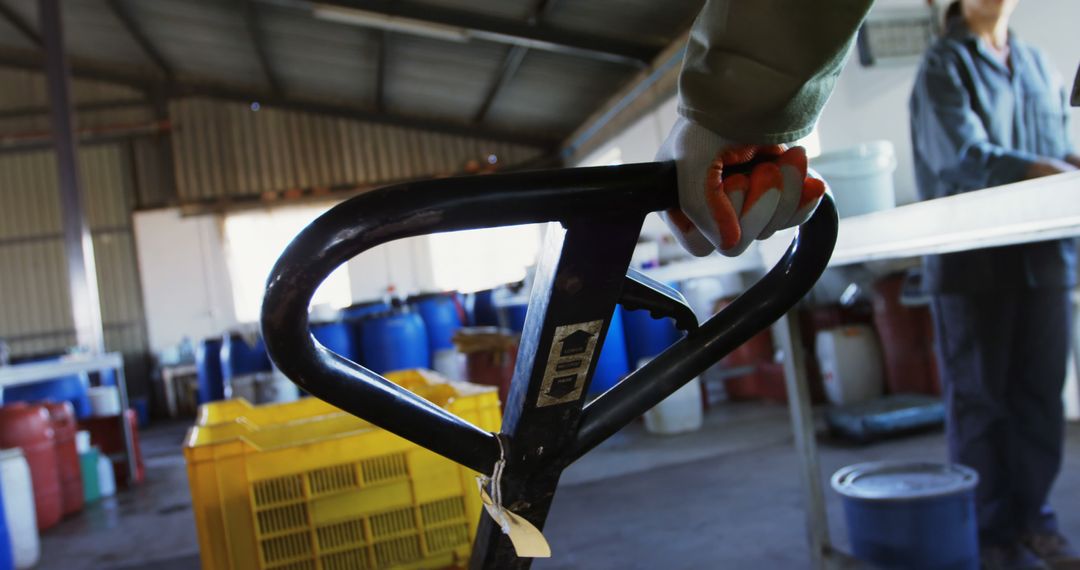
976 123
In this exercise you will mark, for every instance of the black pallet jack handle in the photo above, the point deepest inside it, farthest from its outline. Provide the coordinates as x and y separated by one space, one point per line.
580 278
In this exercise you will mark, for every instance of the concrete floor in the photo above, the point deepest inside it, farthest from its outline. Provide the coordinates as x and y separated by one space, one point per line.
725 497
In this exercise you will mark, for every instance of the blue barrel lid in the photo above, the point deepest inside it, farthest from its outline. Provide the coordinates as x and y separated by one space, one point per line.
900 481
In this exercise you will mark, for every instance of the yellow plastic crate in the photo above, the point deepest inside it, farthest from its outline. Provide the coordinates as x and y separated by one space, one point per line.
242 411
332 492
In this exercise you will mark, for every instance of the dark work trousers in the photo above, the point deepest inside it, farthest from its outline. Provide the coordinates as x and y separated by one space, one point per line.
1003 356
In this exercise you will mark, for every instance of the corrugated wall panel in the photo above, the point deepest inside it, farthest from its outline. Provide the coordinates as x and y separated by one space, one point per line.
225 150
35 307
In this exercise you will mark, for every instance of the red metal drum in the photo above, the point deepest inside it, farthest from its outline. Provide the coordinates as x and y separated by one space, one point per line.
30 428
67 456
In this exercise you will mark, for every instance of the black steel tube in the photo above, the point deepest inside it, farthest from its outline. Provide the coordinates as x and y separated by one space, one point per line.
748 315
422 208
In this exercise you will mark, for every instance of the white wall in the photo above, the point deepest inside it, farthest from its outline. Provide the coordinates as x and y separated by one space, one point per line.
871 103
185 280
185 276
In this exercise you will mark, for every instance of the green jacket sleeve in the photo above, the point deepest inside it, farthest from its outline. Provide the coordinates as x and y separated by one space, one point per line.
760 71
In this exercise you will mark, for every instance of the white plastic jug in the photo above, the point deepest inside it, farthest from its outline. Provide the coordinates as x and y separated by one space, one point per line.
19 507
106 476
275 388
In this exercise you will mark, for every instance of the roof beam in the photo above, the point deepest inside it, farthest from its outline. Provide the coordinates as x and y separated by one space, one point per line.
510 64
382 40
124 75
512 61
21 24
258 39
484 27
122 11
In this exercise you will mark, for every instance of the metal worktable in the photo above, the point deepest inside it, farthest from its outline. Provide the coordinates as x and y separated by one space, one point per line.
34 372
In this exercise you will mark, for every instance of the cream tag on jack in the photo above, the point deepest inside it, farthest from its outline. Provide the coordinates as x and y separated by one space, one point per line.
528 541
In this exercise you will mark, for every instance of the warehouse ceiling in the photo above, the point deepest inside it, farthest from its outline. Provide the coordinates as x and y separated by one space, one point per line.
522 70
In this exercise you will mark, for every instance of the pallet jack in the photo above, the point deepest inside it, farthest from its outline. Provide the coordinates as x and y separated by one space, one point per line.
581 275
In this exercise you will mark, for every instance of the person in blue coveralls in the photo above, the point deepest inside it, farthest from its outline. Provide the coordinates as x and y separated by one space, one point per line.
988 109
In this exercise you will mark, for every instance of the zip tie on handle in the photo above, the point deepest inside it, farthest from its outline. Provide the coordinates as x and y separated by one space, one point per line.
528 541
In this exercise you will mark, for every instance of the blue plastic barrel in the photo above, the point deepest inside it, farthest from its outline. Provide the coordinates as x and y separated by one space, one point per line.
480 309
239 358
339 337
364 309
7 557
613 363
513 316
441 319
396 340
911 515
208 370
71 388
645 336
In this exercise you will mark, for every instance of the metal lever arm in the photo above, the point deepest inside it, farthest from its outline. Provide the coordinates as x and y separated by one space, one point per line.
406 210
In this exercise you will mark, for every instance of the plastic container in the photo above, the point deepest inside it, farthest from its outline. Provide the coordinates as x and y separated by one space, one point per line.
361 310
243 387
141 405
29 427
7 557
441 318
256 417
395 341
88 461
647 337
907 340
64 389
861 177
334 491
67 456
243 354
104 401
275 387
911 515
19 515
480 309
612 364
490 356
208 370
851 365
680 412
338 337
106 435
106 477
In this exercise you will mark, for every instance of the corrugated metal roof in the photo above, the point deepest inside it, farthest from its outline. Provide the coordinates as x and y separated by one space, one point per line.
321 58
204 39
417 82
647 21
530 103
215 45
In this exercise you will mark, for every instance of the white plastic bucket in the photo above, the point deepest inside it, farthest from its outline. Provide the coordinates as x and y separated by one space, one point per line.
851 365
678 413
104 401
861 177
19 507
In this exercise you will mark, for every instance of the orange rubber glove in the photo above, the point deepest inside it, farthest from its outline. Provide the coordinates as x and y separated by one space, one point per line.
731 194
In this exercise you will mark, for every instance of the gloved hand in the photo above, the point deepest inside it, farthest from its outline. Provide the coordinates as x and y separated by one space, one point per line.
731 194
